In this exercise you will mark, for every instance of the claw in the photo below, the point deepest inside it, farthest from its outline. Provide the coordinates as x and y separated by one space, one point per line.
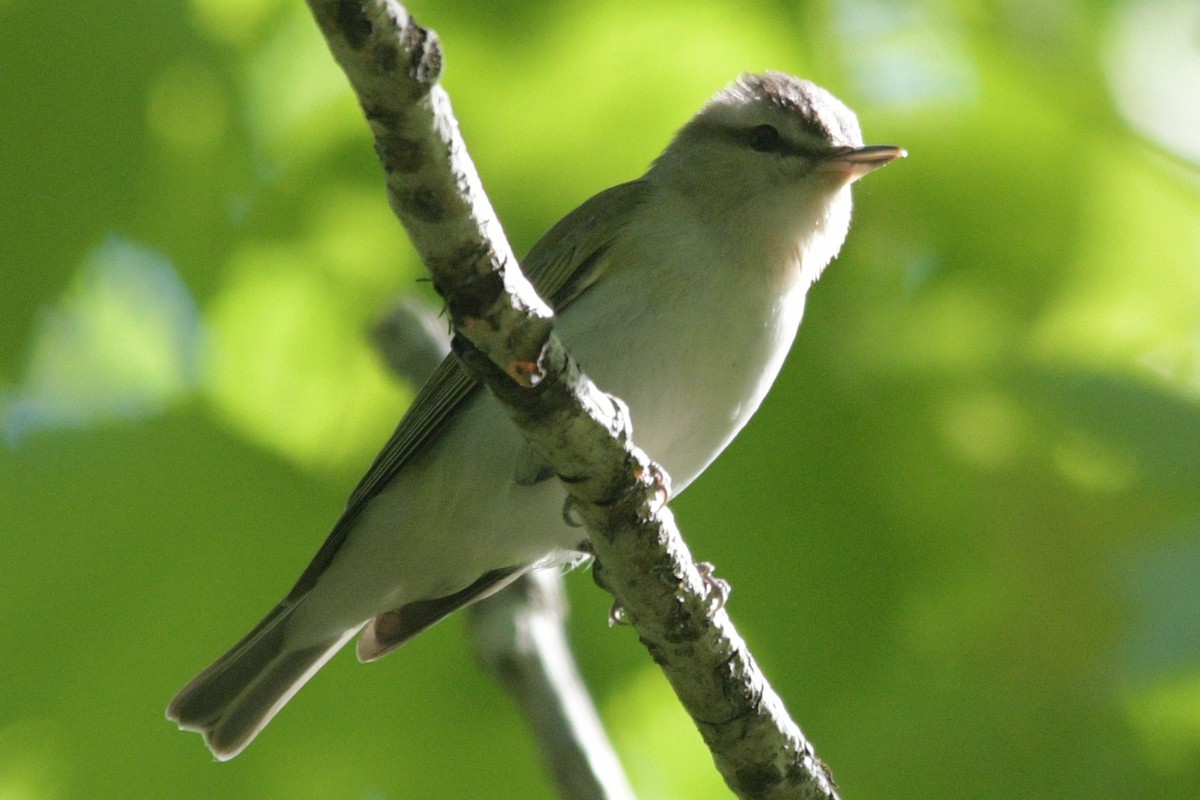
660 482
717 590
617 616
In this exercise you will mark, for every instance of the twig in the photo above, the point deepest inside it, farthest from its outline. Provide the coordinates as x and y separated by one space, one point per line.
505 337
518 634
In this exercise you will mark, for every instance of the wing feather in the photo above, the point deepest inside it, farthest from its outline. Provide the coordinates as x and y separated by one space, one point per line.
562 265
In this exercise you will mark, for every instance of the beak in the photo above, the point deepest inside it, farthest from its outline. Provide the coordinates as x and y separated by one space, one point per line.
854 162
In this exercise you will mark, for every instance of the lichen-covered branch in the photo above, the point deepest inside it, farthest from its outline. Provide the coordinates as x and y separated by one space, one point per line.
504 334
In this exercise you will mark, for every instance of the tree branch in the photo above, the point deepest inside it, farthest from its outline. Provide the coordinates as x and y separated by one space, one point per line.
519 636
505 337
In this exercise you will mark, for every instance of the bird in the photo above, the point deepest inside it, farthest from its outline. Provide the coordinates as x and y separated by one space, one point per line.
680 292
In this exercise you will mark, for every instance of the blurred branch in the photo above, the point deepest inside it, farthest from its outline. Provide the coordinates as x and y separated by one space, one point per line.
411 339
518 633
505 338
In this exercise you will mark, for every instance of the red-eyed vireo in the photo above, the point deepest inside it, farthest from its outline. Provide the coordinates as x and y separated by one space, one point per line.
679 292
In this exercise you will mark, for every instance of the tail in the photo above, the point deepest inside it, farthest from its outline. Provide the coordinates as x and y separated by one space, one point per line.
232 700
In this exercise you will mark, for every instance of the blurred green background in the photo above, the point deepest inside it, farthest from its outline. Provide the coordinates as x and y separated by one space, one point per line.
962 532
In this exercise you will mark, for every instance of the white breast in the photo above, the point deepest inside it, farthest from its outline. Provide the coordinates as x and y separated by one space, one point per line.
691 338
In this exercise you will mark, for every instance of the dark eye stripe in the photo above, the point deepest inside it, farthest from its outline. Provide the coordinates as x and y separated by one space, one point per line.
765 139
768 139
760 138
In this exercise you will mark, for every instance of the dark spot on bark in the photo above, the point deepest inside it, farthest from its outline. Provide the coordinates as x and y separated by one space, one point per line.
425 53
423 205
352 21
430 67
386 57
757 779
399 154
382 116
476 296
796 775
470 355
682 628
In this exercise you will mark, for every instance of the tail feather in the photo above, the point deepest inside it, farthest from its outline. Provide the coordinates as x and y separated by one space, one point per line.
232 700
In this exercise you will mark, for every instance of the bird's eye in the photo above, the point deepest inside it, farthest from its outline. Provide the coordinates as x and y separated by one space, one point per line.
765 139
